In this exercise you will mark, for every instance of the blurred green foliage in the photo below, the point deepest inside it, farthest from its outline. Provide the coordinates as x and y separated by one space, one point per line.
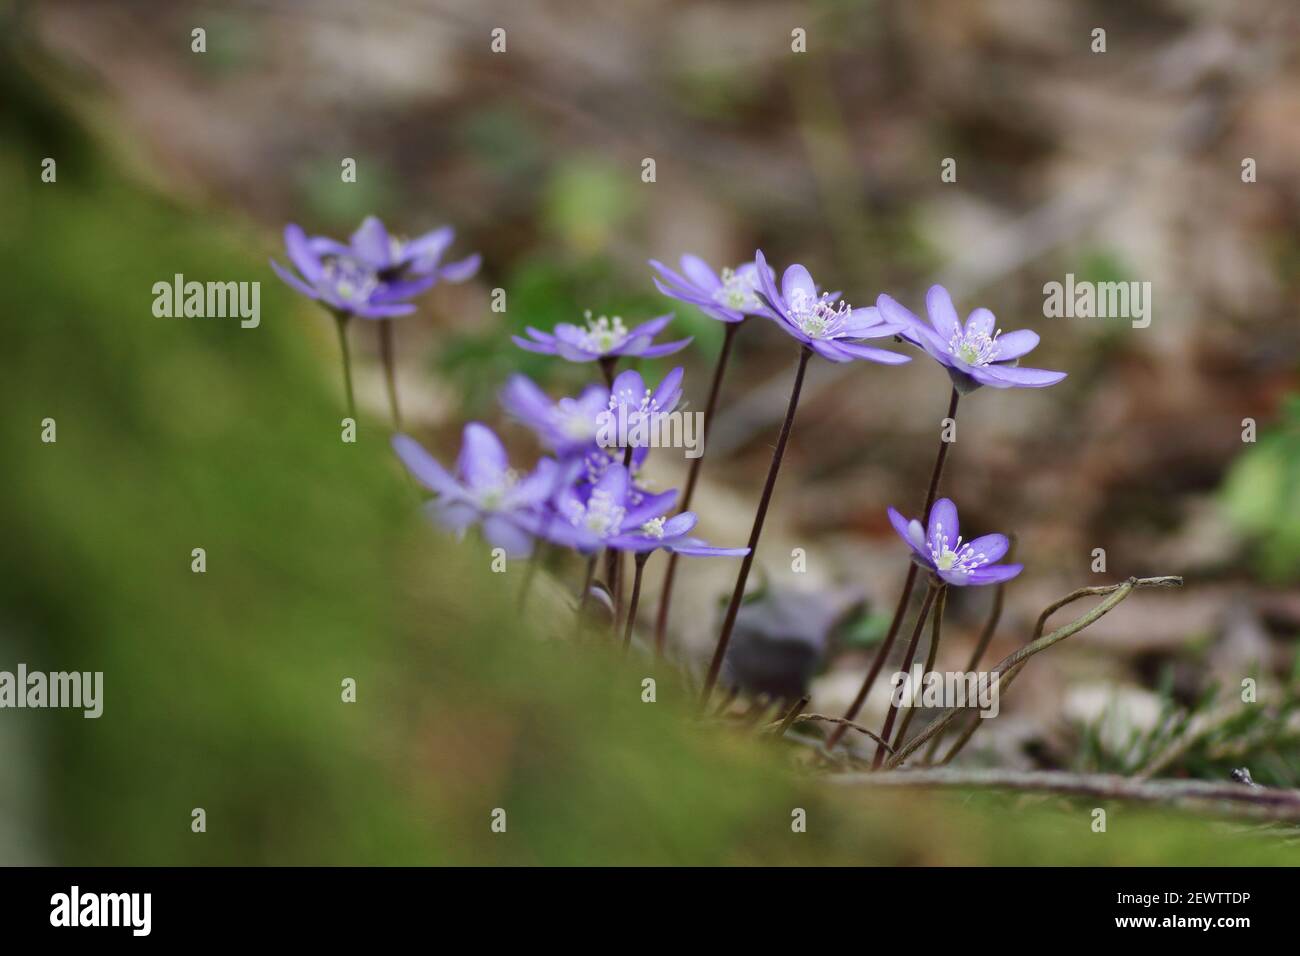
1262 495
222 689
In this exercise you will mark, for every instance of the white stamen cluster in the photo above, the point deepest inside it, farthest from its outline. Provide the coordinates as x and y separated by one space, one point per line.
573 419
603 333
954 556
974 347
818 317
637 410
737 291
600 516
349 279
654 528
492 496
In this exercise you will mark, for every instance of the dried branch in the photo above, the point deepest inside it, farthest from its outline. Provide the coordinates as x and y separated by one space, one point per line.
1222 799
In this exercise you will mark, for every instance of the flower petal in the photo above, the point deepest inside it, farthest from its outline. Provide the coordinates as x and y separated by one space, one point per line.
1012 345
502 532
482 462
883 356
995 574
425 468
699 273
990 546
797 279
943 316
943 524
981 321
1010 376
462 270
370 243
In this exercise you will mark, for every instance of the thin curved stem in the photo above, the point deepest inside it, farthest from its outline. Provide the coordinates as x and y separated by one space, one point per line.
901 609
936 626
892 715
341 320
715 388
1117 593
636 598
737 595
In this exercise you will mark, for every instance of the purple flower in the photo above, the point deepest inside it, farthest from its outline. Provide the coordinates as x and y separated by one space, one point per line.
824 322
728 297
604 337
976 353
633 410
941 549
342 283
391 257
484 489
608 519
568 426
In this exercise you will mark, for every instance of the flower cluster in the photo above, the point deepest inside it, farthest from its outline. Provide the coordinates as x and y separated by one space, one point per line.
590 495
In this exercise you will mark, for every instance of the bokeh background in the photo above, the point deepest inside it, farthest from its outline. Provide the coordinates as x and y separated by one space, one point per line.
223 688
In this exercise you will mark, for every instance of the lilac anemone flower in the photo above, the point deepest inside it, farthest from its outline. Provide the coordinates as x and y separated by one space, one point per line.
607 519
568 426
341 283
483 489
824 322
941 549
603 337
728 297
392 257
976 353
634 410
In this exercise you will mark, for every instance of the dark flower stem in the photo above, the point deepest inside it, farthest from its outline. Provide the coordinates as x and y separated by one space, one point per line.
607 369
747 562
636 597
888 644
910 656
586 587
1116 592
615 568
666 594
341 319
982 645
390 372
936 625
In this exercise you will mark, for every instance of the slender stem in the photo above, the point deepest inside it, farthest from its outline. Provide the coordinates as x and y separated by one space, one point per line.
390 372
715 388
975 719
792 715
936 625
607 369
616 566
341 319
586 587
982 645
888 643
1117 592
636 597
930 592
737 595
